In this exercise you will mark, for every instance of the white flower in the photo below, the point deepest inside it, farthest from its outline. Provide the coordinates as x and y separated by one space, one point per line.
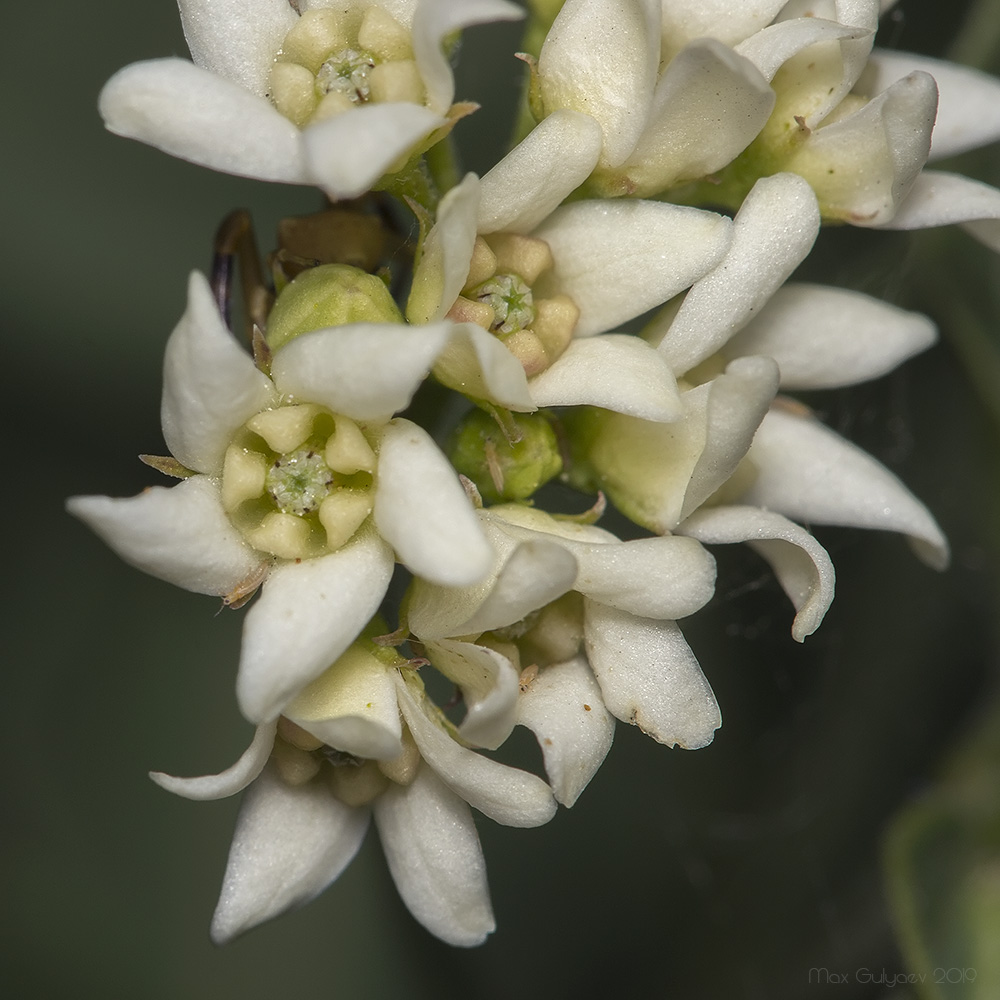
336 96
572 274
556 589
306 474
340 755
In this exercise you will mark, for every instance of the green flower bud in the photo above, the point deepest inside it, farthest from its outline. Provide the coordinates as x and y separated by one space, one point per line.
500 470
330 295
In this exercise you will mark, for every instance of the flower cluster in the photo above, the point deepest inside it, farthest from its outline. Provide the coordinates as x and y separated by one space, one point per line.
609 307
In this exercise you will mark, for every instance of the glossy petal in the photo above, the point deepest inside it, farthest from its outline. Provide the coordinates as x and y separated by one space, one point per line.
939 199
505 794
772 233
347 154
968 114
423 512
807 472
734 406
618 259
237 39
643 386
290 844
234 779
307 615
366 371
685 20
564 708
211 386
446 254
708 106
600 57
191 113
433 852
179 534
800 563
489 684
650 678
665 577
554 159
352 707
527 576
824 337
770 48
862 166
476 364
433 20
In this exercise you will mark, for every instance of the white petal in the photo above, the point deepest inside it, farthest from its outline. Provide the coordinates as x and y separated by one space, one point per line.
772 233
476 364
618 259
968 114
862 166
447 254
824 337
347 154
432 21
650 678
366 371
423 512
179 534
237 39
352 707
643 385
234 779
770 48
564 708
433 852
736 403
800 563
528 576
807 472
191 113
290 844
600 57
307 615
211 386
708 106
684 20
939 199
489 684
665 577
505 794
552 161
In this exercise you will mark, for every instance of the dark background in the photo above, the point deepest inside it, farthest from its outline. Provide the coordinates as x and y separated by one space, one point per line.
727 872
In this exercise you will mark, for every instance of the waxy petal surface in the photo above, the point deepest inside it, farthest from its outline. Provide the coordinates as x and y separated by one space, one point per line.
618 259
564 708
824 337
238 39
432 848
307 615
807 472
211 386
234 779
190 112
290 844
179 534
650 678
423 512
800 563
773 232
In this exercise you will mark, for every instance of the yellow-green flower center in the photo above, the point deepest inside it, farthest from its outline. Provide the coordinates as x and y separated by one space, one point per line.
511 301
297 480
336 58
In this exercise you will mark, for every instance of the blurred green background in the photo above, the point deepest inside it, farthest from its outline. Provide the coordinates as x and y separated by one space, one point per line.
728 872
